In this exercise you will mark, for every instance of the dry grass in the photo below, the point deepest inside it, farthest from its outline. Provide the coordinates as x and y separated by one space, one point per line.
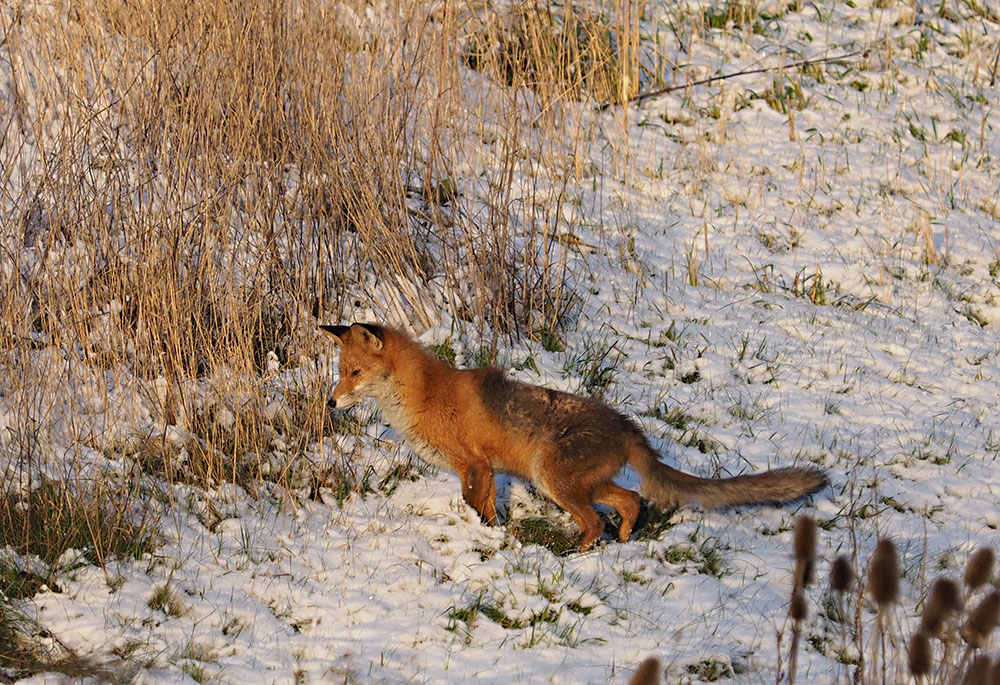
557 51
228 172
190 187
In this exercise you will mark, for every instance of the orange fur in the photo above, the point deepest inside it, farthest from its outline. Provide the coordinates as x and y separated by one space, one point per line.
477 421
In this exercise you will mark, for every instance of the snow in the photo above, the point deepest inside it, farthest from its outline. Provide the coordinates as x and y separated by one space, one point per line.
819 332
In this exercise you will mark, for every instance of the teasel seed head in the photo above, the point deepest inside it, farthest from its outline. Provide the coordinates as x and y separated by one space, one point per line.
841 575
883 573
980 568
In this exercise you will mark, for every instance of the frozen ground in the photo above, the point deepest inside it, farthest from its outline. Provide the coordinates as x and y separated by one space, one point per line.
757 293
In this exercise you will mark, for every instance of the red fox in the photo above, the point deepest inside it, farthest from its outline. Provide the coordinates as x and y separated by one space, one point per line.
478 421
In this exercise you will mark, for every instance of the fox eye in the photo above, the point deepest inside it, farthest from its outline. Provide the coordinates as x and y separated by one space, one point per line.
355 372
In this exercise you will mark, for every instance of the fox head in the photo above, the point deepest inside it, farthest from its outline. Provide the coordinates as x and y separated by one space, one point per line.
364 370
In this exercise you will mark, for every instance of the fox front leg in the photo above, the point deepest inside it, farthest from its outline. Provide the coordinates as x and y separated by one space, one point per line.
479 489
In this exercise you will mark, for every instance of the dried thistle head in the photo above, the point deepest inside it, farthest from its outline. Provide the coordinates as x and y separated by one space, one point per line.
841 575
805 538
883 573
798 611
982 620
943 600
980 568
919 654
804 541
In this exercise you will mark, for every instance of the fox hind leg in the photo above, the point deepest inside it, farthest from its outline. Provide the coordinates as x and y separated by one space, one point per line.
591 525
581 507
625 502
575 479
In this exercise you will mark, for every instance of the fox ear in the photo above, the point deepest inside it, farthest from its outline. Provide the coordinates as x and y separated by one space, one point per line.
338 332
372 334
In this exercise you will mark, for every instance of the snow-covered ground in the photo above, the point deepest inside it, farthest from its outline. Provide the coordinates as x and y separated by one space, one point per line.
757 293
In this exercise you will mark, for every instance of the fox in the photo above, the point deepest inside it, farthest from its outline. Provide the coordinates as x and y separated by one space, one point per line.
477 422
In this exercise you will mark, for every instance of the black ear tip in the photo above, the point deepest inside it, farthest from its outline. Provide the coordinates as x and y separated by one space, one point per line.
374 329
338 331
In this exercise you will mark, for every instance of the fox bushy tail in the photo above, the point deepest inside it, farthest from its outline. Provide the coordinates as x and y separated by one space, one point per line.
669 488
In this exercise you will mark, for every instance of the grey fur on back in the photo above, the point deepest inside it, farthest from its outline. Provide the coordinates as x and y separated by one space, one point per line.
586 430
581 427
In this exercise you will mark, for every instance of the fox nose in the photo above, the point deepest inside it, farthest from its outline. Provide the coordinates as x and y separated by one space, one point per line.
332 403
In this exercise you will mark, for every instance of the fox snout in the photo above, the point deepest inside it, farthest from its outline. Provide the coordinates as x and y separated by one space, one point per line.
344 402
344 398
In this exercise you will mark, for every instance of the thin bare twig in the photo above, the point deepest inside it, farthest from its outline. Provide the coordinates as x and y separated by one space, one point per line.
996 62
723 77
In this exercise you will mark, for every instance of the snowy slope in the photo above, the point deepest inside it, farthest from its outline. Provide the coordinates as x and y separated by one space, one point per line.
756 297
